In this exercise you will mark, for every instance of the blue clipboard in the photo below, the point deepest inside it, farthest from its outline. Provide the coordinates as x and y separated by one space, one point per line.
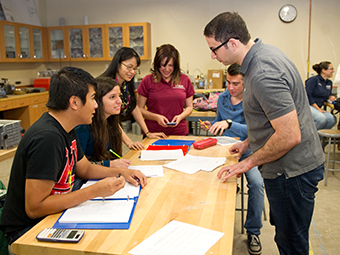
112 225
173 142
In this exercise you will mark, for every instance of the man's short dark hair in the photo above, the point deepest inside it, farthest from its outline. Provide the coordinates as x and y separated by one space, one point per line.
234 69
227 25
68 82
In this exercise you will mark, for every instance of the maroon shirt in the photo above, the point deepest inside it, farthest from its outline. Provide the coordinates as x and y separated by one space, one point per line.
167 100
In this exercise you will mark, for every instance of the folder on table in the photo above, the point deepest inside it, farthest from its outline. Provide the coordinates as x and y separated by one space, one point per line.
114 212
173 142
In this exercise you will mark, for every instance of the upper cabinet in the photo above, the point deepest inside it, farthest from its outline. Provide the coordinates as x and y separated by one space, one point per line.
134 35
21 42
26 43
139 38
56 44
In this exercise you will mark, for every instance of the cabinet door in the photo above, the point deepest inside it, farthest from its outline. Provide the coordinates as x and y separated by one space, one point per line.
115 38
95 44
11 50
76 43
139 39
38 43
24 38
56 44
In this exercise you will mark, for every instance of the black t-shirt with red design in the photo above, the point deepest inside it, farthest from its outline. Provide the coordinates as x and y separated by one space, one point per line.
46 152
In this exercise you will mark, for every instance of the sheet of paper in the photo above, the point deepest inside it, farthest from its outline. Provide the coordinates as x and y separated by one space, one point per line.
225 140
92 211
149 170
179 238
191 164
161 155
128 190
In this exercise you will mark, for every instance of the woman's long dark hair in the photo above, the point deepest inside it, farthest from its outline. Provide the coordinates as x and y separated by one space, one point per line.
121 55
106 132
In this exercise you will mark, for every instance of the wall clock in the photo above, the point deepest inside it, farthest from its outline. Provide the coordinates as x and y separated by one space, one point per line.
288 13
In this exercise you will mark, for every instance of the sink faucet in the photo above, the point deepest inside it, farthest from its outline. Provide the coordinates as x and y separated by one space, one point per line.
193 75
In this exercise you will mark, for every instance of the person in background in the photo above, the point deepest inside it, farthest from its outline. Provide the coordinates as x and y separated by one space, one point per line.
123 68
281 132
230 122
319 90
49 155
167 93
104 133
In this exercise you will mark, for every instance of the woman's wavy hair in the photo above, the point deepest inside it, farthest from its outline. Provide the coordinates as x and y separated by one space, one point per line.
168 52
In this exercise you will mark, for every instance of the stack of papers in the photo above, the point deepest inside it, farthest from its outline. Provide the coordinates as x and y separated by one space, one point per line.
191 164
149 170
225 140
178 238
161 155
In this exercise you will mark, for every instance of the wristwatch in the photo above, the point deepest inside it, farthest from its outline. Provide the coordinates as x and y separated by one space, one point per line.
229 121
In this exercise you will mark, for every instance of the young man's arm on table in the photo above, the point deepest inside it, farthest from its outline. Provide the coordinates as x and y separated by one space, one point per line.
287 134
39 202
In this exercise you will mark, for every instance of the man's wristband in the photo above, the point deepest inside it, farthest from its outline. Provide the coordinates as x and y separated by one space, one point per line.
147 132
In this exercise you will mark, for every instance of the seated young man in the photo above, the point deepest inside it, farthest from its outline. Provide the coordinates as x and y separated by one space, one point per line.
230 121
49 155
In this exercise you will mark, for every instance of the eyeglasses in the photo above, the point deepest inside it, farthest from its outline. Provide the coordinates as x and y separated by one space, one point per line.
130 68
332 68
215 49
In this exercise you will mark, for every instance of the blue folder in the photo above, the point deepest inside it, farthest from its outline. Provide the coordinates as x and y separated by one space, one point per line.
112 225
173 142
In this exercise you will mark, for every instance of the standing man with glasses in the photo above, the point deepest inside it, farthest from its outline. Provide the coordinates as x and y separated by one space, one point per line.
281 132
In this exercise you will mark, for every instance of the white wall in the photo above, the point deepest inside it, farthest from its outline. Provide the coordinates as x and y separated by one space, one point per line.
181 23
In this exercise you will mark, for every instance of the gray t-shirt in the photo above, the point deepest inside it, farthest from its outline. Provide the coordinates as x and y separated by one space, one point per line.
272 88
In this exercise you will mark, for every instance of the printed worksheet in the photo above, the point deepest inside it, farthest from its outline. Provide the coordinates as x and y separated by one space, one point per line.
225 140
191 164
98 211
179 238
129 190
150 170
161 155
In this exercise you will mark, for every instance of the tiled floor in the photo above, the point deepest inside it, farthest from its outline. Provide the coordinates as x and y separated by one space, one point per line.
325 227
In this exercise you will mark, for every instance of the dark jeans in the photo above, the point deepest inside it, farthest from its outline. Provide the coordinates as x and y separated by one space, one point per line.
291 204
13 236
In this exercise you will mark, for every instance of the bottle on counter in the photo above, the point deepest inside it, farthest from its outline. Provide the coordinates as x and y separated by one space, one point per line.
210 84
201 82
206 84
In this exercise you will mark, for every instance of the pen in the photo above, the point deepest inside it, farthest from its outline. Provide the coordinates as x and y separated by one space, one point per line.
203 123
115 153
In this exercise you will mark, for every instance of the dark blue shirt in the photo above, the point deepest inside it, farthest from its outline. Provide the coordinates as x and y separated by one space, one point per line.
318 90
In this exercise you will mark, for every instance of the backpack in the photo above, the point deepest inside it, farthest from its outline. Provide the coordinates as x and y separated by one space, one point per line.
336 108
207 102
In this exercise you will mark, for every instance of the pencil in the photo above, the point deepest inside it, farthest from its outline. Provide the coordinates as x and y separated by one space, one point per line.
203 124
115 153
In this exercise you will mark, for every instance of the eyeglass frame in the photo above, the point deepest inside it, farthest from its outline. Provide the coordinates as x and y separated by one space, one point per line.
332 68
219 46
130 68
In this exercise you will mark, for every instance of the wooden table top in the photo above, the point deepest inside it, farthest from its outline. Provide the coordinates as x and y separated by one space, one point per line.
199 199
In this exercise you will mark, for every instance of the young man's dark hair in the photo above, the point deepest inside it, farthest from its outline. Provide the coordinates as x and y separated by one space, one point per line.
234 69
69 81
227 25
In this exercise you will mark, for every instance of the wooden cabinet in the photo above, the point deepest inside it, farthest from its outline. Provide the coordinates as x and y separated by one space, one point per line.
134 35
56 44
22 43
86 43
28 108
26 43
139 38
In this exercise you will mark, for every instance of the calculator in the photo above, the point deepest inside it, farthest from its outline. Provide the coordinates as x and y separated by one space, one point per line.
60 235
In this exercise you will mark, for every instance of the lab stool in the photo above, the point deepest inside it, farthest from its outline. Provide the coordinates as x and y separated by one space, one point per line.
243 209
332 135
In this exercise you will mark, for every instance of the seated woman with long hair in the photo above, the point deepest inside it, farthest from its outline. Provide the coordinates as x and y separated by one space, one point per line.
104 133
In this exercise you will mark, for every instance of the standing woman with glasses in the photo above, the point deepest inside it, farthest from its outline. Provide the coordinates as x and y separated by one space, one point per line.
167 93
319 90
123 68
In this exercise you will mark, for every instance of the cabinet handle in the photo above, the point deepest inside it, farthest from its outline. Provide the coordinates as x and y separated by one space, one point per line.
22 102
4 106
